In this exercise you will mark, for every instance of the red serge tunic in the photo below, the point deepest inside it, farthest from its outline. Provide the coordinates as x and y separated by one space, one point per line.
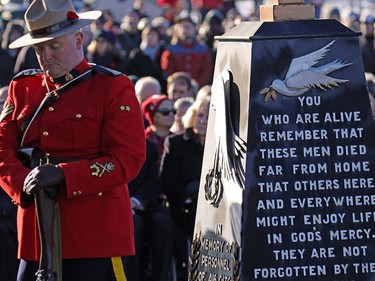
98 123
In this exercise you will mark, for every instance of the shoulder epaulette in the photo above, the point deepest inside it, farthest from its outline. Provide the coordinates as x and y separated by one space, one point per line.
106 70
28 72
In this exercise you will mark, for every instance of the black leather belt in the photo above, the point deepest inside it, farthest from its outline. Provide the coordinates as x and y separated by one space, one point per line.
32 157
55 160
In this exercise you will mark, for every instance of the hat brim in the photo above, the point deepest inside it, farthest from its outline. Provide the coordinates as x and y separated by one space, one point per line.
84 19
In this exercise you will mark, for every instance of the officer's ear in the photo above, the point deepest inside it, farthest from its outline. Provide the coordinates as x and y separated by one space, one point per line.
79 39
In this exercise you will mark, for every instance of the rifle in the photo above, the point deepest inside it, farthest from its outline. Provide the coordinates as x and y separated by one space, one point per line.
48 217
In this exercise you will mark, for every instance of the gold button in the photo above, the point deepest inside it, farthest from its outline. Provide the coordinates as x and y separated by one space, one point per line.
100 194
78 115
51 108
79 192
21 116
74 193
47 154
45 133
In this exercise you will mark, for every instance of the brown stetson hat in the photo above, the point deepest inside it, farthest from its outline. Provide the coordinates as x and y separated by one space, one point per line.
49 19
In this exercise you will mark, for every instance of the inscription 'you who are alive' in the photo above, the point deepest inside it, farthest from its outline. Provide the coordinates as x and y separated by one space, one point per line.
291 213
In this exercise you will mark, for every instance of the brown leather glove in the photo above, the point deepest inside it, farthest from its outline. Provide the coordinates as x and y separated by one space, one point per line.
48 177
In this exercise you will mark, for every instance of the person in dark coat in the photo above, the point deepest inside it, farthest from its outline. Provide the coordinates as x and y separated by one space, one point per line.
153 225
129 36
6 65
8 238
367 43
148 53
180 174
26 59
6 68
102 51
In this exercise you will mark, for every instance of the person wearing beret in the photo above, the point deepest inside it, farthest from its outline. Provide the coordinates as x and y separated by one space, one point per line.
85 126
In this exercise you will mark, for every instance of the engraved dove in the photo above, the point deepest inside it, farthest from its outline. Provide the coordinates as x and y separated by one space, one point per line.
302 76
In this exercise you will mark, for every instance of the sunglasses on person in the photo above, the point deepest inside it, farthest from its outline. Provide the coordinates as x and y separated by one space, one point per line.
166 111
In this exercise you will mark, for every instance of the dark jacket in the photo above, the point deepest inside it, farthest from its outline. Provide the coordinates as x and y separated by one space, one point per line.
180 173
26 59
368 52
146 187
141 65
6 68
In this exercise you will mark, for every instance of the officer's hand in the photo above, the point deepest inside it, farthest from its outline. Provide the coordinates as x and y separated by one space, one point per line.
48 177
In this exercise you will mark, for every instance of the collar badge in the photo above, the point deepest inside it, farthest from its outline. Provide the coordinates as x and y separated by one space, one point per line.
68 77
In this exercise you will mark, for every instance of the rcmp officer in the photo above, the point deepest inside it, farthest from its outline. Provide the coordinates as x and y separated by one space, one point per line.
91 136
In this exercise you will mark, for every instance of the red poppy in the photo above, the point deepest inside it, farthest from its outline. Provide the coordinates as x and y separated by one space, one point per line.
72 15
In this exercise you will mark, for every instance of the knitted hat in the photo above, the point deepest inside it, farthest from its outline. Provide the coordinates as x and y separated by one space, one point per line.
150 105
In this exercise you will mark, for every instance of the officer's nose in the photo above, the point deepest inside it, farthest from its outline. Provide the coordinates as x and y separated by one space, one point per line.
46 54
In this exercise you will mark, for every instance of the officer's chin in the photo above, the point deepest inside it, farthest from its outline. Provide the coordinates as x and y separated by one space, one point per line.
52 72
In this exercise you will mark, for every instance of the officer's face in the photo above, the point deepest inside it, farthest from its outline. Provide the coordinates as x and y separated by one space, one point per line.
60 55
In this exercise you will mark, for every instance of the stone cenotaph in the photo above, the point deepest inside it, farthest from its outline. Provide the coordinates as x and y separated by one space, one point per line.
287 189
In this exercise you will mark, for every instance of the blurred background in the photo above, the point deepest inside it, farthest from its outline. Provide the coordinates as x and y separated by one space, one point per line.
15 8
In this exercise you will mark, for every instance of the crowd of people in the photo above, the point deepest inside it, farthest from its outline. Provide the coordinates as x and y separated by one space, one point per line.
170 60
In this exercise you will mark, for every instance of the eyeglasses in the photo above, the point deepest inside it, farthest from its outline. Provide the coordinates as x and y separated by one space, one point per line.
166 111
